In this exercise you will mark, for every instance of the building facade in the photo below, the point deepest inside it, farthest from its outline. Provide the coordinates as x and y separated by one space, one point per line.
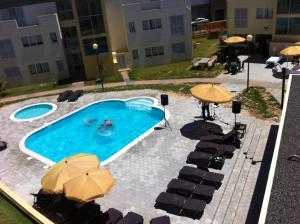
274 24
31 49
129 33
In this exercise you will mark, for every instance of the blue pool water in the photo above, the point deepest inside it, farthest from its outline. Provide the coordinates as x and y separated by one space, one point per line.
82 132
33 111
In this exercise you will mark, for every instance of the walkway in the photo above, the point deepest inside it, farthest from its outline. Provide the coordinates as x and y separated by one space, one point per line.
218 80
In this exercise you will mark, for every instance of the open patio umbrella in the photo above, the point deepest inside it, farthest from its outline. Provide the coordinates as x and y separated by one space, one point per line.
211 93
291 51
234 40
87 187
65 170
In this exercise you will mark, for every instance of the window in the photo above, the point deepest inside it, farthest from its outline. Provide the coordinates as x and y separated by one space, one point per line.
295 6
53 37
154 51
64 9
264 13
32 69
25 42
283 6
60 66
241 17
155 24
145 24
178 48
11 72
102 43
288 26
135 54
39 39
90 17
6 49
38 68
176 24
131 27
32 40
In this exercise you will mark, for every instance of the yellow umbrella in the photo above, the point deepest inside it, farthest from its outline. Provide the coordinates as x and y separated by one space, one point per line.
234 40
93 184
291 51
63 171
211 93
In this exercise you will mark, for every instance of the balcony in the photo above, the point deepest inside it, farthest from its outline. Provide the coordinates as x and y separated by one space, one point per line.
151 5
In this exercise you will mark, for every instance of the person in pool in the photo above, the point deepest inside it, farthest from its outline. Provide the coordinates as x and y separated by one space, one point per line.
90 121
106 124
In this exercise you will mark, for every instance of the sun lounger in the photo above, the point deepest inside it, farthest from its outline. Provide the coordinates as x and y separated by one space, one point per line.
193 208
191 189
42 199
161 220
64 95
111 216
85 214
74 97
214 148
132 218
3 145
201 176
179 205
202 159
229 138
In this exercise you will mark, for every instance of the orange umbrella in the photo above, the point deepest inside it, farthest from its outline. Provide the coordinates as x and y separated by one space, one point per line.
88 186
63 171
291 51
211 93
234 40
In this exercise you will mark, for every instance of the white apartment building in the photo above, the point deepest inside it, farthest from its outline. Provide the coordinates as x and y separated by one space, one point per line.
31 49
149 32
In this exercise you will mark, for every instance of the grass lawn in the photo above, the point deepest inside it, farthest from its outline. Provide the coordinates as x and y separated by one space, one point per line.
32 89
178 70
205 47
260 103
10 214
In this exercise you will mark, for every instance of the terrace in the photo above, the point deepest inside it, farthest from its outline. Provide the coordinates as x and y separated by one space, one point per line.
145 169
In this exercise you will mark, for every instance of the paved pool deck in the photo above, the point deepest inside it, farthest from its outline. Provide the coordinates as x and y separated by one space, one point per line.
145 170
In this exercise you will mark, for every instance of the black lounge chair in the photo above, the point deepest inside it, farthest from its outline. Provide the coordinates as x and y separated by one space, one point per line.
85 214
214 148
74 97
229 138
64 95
3 145
179 205
202 159
201 176
161 220
132 218
193 209
191 189
111 216
42 200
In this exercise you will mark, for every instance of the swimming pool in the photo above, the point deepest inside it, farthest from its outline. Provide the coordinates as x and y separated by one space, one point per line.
33 111
81 131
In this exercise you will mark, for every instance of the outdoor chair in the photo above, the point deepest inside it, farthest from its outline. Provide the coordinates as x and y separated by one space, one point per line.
42 200
179 205
190 189
201 176
132 218
206 160
74 97
3 145
161 220
214 148
64 95
111 216
229 138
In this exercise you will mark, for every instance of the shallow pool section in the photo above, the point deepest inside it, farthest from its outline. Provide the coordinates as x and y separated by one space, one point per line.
82 132
33 112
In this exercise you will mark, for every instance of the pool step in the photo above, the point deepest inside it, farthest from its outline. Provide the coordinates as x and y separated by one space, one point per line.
144 105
